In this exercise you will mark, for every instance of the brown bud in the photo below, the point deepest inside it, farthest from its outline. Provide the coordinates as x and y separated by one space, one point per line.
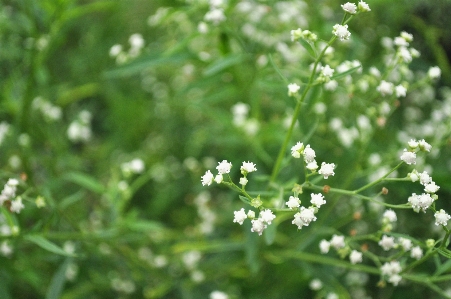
384 191
326 189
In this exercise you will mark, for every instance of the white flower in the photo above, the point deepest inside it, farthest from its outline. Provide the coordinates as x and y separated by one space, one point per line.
422 201
407 36
424 146
240 216
416 252
293 89
327 169
394 279
251 214
408 157
16 205
309 154
243 181
355 257
425 178
248 167
405 243
224 167
337 242
216 16
331 85
218 295
391 268
258 226
115 50
219 178
341 31
324 246
297 149
312 166
387 243
267 216
431 187
385 88
207 178
400 91
400 42
434 72
293 202
441 217
317 199
296 34
413 144
316 284
304 217
363 7
327 71
349 7
389 216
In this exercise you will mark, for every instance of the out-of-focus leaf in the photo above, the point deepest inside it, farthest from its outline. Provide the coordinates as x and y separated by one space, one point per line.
47 245
57 284
223 64
309 47
146 62
78 93
445 252
71 199
85 181
348 72
143 225
251 248
244 199
277 69
270 233
443 268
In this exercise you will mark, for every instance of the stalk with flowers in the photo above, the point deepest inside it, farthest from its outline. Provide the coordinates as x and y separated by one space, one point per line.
407 253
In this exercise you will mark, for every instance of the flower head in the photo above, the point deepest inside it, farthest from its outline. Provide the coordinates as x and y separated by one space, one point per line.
317 199
349 7
337 242
355 257
309 154
17 205
324 246
441 217
363 6
224 167
207 178
434 72
293 202
248 167
258 226
267 216
431 187
341 31
385 88
240 216
408 157
297 150
293 89
389 216
387 243
327 169
416 252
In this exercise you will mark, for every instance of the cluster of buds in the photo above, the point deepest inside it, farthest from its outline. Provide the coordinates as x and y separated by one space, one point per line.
327 169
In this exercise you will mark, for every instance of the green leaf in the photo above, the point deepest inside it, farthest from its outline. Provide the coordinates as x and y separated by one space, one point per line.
244 199
223 64
445 252
143 225
47 245
309 47
443 268
85 181
277 69
348 72
270 234
57 284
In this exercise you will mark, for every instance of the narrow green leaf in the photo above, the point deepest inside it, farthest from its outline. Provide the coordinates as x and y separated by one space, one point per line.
348 72
57 284
445 252
47 245
244 199
85 181
443 268
277 69
71 199
223 64
270 233
309 47
144 226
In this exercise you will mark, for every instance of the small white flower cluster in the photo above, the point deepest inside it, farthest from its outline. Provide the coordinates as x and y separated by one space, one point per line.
9 193
305 215
224 168
216 13
388 220
5 228
48 110
404 53
304 34
206 214
80 129
388 242
240 113
409 155
341 31
6 249
326 73
338 243
258 225
218 295
191 260
392 270
4 128
136 42
326 170
135 166
352 9
293 89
